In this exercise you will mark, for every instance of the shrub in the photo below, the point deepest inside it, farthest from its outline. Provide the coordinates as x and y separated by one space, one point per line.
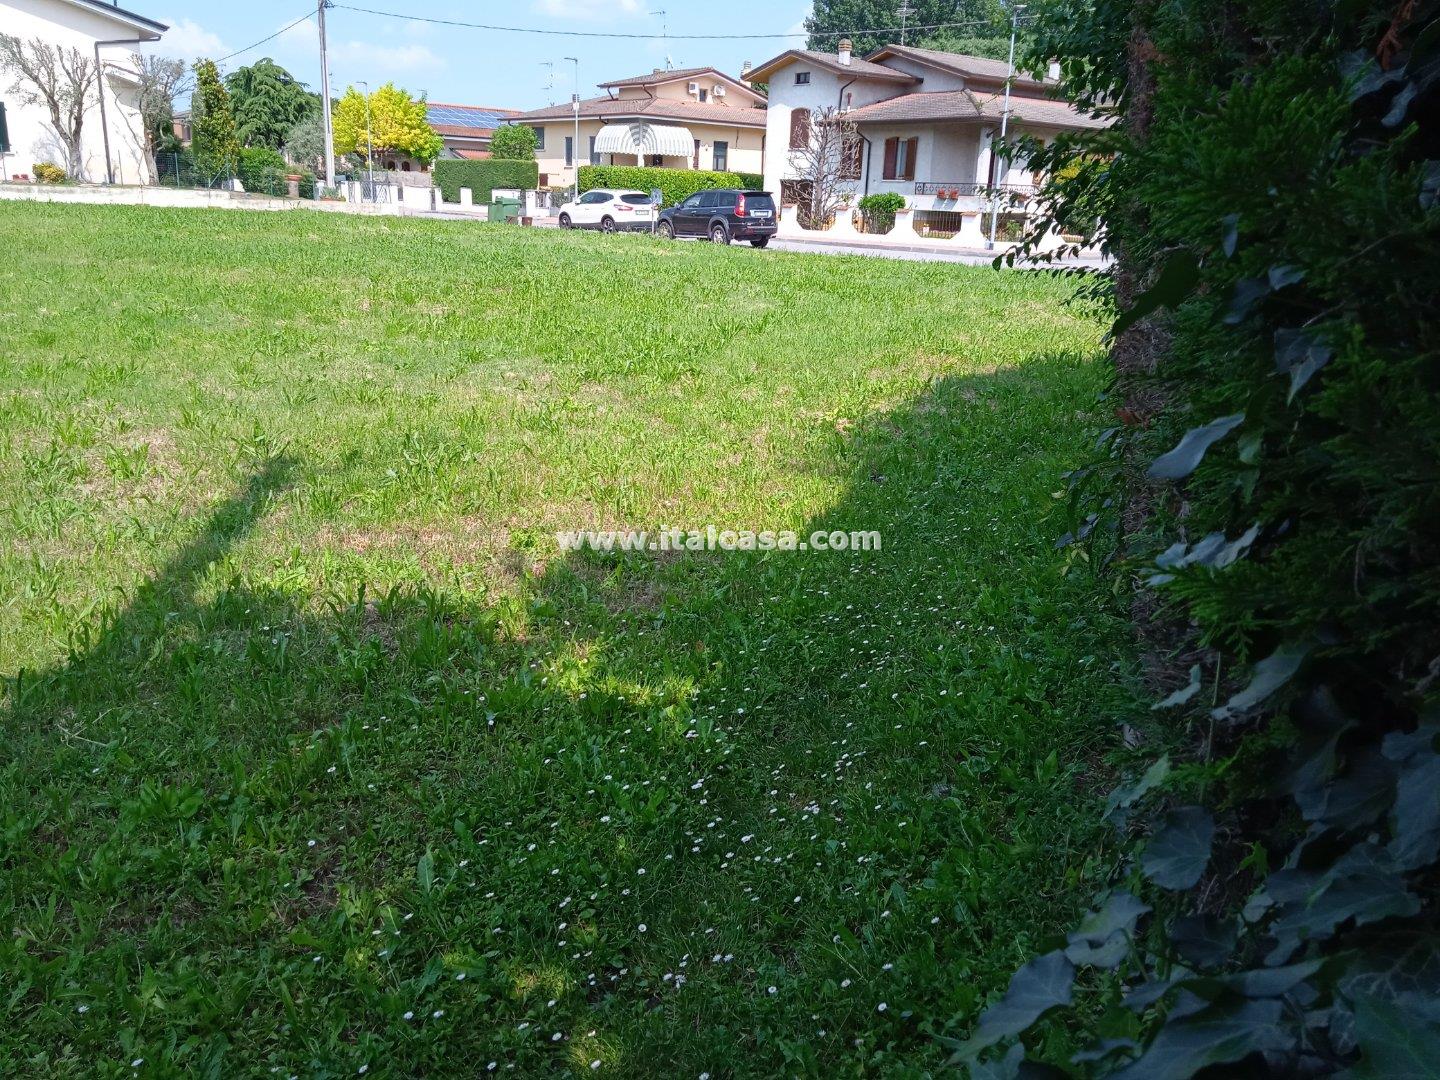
1272 193
883 202
674 184
483 177
47 172
877 211
513 142
262 169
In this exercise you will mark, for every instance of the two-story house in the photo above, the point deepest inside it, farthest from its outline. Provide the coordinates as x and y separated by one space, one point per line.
925 121
692 118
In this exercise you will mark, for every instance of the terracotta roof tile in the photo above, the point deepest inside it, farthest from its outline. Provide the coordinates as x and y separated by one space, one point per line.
968 105
857 68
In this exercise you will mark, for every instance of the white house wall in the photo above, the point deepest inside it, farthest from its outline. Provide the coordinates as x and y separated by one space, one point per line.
32 139
822 92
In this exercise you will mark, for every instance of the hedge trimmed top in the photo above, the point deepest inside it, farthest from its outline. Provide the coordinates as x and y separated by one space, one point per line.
674 184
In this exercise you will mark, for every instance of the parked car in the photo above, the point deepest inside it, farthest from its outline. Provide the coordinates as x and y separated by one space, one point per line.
722 214
609 210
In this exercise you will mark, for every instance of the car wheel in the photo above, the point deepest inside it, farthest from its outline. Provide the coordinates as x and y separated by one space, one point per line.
719 233
761 242
666 230
565 221
607 224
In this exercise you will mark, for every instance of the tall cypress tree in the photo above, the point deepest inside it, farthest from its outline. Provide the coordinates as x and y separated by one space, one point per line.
216 144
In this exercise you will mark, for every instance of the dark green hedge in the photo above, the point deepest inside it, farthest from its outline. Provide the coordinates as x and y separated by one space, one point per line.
1271 190
483 177
676 184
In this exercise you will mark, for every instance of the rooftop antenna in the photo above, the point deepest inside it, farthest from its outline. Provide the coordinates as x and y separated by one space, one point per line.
665 37
550 79
904 11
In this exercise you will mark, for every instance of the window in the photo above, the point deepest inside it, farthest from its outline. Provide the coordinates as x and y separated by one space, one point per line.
405 166
799 129
704 95
802 78
657 161
721 156
569 150
595 197
539 137
594 157
900 158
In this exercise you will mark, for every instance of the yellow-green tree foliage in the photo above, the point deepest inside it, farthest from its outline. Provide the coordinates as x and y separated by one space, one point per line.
395 124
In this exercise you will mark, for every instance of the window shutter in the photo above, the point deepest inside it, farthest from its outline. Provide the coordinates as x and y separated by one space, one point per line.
799 129
892 150
911 146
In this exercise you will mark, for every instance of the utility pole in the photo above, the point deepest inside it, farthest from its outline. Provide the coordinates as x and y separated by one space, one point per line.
904 11
1004 120
325 100
575 105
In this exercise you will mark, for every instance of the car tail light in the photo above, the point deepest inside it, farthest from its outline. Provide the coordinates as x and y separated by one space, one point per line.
740 206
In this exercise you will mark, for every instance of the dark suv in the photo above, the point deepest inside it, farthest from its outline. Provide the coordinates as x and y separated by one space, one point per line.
722 214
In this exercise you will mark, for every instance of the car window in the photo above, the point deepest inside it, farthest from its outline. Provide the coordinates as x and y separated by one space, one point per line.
595 197
692 202
636 200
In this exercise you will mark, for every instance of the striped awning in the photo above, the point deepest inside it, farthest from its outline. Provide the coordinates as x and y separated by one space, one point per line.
671 140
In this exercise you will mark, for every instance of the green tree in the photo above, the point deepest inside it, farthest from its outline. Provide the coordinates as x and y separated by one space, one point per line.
985 22
268 102
215 143
513 142
305 142
395 124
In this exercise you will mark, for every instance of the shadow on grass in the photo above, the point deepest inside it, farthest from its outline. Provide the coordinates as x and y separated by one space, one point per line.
716 808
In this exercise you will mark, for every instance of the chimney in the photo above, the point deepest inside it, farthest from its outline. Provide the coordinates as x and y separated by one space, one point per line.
845 51
745 72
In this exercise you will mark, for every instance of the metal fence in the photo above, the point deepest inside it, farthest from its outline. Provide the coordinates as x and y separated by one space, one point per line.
182 170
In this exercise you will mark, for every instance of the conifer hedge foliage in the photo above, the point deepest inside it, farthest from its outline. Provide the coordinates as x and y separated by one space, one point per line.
1271 190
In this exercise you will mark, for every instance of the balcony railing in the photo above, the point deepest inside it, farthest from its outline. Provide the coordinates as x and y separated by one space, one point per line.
957 190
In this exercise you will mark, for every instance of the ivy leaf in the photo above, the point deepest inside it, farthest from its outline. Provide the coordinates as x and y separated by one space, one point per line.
1415 822
1176 280
1244 295
1394 1043
1212 550
1184 694
1120 914
1300 354
1364 884
1203 940
1268 676
1429 184
1361 795
1180 462
1045 983
1283 276
1125 796
1273 982
1177 855
1230 234
1215 1036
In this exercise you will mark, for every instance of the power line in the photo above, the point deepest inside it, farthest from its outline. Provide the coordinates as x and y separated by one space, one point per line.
263 40
652 37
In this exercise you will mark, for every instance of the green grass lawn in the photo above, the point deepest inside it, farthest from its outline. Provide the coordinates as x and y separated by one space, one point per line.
321 758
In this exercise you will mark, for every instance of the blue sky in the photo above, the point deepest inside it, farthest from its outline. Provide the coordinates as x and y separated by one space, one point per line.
477 67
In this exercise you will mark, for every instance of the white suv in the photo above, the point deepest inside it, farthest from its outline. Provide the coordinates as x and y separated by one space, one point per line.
609 210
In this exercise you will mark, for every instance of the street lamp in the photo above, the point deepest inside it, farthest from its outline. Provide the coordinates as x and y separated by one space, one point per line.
1004 121
369 138
575 106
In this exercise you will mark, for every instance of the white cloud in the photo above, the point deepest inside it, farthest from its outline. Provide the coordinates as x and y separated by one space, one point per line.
384 60
589 10
188 40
